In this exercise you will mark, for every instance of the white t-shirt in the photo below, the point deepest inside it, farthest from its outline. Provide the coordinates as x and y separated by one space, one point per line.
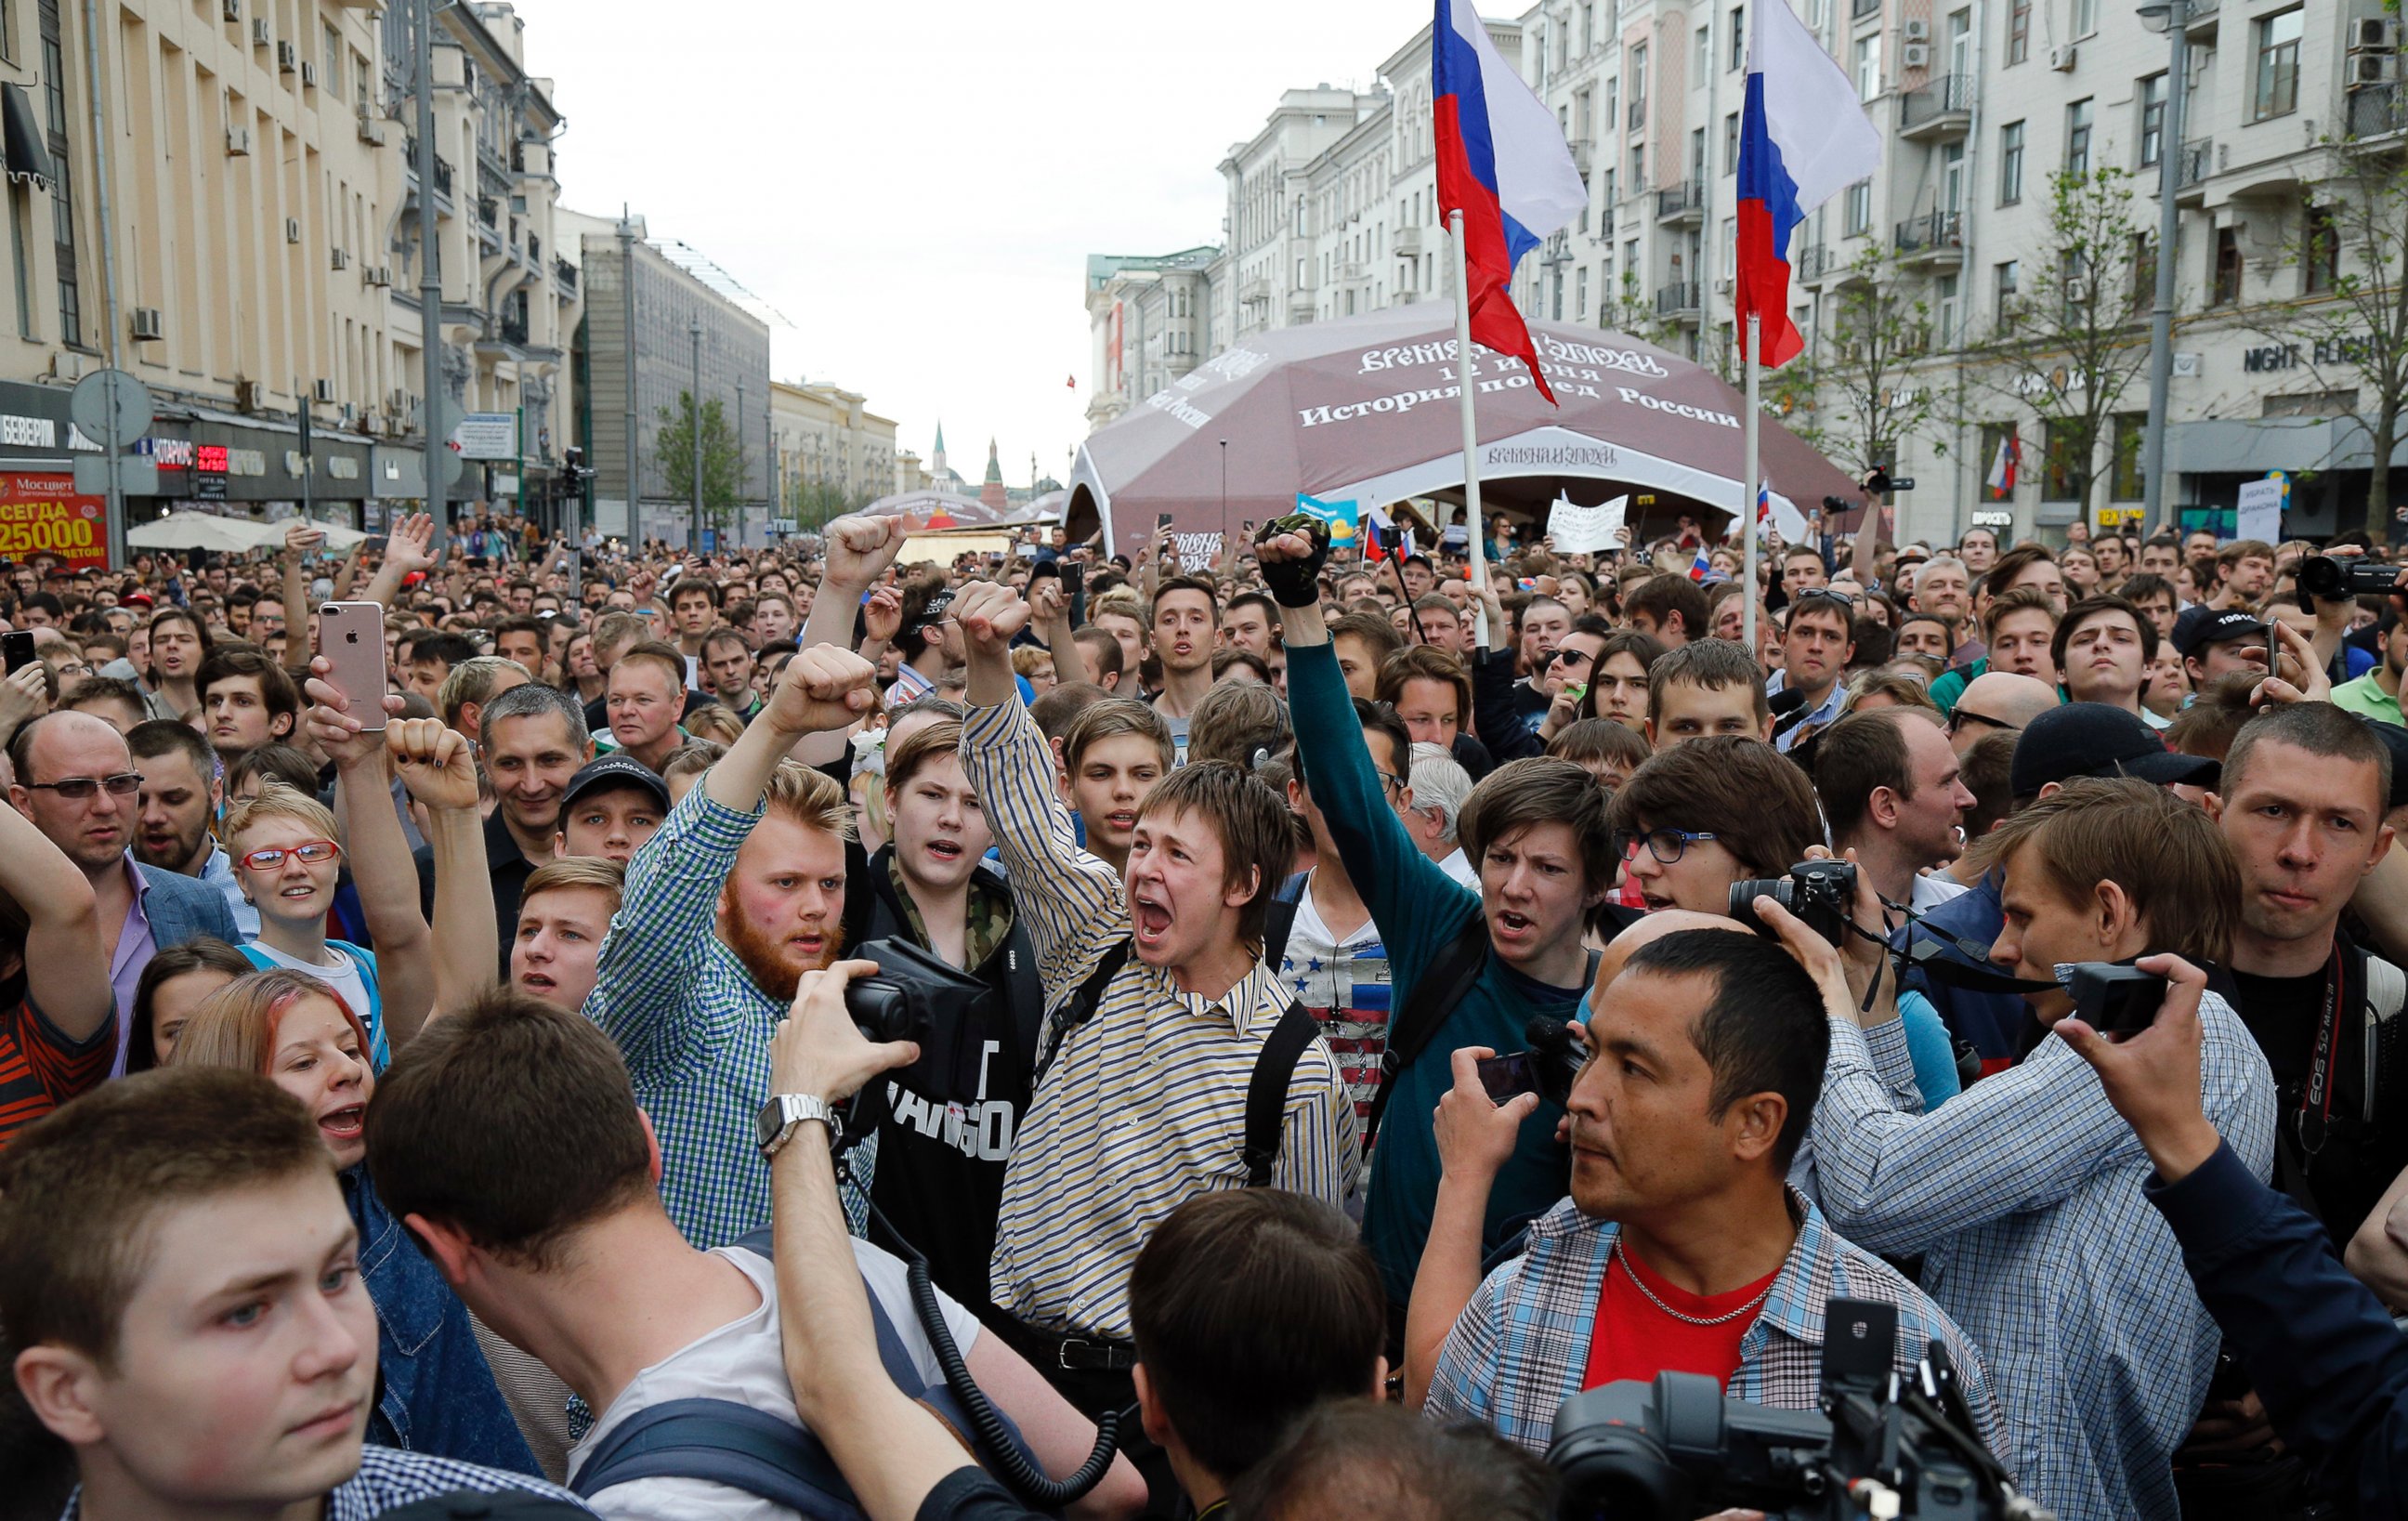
343 976
1932 890
744 1360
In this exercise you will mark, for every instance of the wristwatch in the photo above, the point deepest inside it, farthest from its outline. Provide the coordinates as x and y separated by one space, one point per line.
774 1126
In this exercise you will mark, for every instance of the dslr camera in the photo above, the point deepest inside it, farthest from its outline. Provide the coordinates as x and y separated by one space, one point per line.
2330 578
1675 1449
1820 893
911 996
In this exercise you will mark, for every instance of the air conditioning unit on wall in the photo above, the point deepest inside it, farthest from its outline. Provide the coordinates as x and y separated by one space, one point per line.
1916 55
2061 59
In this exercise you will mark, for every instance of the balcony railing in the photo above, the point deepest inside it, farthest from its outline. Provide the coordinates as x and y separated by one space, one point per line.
489 211
1672 300
1816 261
1950 95
1937 232
564 272
1682 199
2378 111
2198 161
1860 10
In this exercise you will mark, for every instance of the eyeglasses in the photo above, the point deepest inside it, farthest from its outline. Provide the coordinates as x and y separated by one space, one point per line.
310 853
1959 718
1667 845
76 789
1821 594
1567 655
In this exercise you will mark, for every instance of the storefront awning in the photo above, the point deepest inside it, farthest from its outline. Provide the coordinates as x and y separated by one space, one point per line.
21 139
2253 446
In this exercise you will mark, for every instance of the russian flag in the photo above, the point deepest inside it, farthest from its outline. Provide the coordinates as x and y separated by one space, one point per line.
1702 567
1803 137
1503 163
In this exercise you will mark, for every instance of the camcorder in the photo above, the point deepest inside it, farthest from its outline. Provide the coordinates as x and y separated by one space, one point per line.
2344 578
2112 998
1819 892
911 996
1675 1449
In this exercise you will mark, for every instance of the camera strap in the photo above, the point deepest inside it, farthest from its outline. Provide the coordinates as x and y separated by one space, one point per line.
2314 1122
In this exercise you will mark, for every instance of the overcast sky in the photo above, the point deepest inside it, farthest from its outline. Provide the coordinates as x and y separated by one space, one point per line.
916 187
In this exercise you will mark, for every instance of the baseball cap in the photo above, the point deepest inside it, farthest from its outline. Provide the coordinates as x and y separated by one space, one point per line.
2203 626
616 769
2090 739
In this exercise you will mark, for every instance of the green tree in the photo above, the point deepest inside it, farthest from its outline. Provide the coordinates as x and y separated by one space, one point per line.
2076 341
723 459
1859 393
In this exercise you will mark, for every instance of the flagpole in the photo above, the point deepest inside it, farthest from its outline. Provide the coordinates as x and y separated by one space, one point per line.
1753 482
1475 527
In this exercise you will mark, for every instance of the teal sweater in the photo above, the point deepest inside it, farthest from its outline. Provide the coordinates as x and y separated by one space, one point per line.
1419 910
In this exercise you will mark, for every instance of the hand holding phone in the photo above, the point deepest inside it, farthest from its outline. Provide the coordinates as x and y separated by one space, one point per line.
350 635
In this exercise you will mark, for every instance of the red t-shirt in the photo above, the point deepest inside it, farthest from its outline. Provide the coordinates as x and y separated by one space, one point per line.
40 1069
1634 1340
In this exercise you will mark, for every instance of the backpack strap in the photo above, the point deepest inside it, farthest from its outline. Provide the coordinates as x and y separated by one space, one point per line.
721 1442
1266 1090
1440 986
1279 917
2386 992
1080 1007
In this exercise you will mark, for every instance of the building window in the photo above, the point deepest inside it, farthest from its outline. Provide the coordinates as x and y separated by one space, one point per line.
1588 29
2278 65
1860 209
1605 191
1738 40
2010 283
63 228
331 72
1580 294
2011 164
1730 143
1869 65
2065 448
2321 249
2124 472
2018 31
1701 57
1638 169
2153 119
2145 271
1996 439
1945 312
18 199
1638 83
2085 17
2077 138
2227 287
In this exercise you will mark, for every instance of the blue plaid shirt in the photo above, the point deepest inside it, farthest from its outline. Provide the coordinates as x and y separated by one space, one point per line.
389 1478
692 1023
2023 1195
1520 1348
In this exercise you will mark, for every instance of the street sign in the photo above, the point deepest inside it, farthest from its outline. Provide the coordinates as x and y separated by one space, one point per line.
488 436
110 400
135 477
781 525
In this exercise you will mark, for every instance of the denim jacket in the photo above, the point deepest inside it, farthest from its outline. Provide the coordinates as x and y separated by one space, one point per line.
434 1392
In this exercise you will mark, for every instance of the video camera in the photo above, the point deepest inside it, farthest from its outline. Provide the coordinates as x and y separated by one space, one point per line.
2331 577
910 995
1675 1449
1820 893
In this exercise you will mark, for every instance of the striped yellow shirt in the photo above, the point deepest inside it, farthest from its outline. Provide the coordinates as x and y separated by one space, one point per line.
1145 1105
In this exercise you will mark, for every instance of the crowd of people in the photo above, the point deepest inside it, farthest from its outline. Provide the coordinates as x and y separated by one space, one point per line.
826 1031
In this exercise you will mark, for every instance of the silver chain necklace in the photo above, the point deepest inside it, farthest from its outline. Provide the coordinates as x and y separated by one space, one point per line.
1687 1320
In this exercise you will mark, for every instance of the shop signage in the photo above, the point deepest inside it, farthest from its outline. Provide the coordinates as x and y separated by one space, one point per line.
42 515
167 453
1994 520
2269 356
20 432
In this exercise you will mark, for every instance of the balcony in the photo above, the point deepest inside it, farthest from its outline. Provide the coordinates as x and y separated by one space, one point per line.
1816 263
2378 111
2191 170
1680 303
442 166
1682 203
2200 21
1582 150
489 211
1257 289
1942 110
1407 241
563 274
1299 307
1938 238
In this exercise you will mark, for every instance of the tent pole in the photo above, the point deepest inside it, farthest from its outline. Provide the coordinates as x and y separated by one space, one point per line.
1752 484
1475 526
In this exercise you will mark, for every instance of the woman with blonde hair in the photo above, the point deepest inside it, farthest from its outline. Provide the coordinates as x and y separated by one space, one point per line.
436 1395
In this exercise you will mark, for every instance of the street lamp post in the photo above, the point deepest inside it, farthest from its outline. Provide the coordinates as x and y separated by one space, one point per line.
629 230
2155 512
430 280
693 417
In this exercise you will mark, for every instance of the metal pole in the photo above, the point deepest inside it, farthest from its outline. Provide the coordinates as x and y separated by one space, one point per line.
1750 464
628 331
2155 510
519 464
744 476
117 554
430 282
694 419
1473 525
301 418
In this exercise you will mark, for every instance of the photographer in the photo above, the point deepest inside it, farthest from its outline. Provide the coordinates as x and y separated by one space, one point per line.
2023 1195
2320 1349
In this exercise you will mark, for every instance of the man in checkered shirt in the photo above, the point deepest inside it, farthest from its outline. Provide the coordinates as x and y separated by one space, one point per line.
1682 1248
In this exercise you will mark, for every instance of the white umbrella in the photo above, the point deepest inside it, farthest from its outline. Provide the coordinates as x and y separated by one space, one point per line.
190 530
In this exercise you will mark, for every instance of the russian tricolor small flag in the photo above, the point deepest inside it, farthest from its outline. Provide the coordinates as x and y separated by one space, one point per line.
1503 163
1803 137
1701 567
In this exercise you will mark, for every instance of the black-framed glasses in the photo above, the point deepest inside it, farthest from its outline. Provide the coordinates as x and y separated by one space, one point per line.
1963 715
76 789
1667 845
1389 779
1565 655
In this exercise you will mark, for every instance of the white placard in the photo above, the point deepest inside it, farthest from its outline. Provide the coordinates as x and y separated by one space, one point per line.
2259 511
1587 530
1788 521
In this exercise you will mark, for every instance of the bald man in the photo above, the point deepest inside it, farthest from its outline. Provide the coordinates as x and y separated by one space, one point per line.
1997 702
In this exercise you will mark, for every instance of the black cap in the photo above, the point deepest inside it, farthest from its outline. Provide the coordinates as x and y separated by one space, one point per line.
2203 626
2090 739
615 769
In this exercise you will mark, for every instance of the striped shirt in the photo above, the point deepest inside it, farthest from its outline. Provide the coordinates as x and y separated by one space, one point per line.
389 1478
691 1022
2024 1196
41 1069
1144 1104
1520 1346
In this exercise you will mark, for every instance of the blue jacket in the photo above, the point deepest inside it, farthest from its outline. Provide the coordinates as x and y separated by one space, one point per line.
181 908
434 1392
2320 1350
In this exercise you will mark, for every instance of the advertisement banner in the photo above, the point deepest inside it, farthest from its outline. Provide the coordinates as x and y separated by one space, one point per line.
42 515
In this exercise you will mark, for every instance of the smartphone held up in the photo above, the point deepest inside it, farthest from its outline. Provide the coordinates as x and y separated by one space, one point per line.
350 636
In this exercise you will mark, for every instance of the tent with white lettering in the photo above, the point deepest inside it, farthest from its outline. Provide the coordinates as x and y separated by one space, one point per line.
1364 409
